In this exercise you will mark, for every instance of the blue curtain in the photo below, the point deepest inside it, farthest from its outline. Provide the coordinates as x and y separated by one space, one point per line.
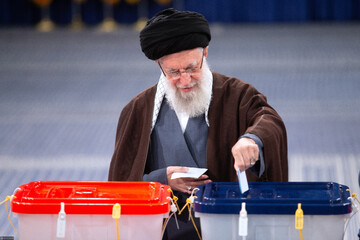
25 12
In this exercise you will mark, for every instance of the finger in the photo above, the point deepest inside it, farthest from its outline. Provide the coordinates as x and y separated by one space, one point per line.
190 185
253 156
248 159
240 163
173 169
182 185
180 169
198 183
238 158
202 177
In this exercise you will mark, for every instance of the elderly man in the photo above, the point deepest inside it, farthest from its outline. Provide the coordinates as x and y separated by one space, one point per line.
195 117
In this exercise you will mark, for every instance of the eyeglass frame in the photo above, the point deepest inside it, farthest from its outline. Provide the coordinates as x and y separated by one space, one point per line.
178 73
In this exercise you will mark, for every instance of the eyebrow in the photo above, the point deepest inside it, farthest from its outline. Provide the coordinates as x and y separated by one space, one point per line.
188 66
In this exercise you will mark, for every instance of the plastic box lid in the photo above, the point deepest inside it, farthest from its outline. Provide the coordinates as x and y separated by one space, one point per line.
316 198
45 197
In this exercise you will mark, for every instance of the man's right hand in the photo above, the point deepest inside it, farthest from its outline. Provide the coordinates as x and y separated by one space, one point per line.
185 185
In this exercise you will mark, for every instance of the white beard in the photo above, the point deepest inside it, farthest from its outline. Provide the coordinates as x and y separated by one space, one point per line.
195 102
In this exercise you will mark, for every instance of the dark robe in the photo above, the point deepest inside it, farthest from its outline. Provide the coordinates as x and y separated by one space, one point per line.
236 108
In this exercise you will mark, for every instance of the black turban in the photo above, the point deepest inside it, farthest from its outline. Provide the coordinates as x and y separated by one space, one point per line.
172 31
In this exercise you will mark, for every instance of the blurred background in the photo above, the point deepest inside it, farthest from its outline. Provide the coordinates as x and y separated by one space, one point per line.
68 67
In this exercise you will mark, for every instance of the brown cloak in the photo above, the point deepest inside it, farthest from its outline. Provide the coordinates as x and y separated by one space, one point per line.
236 108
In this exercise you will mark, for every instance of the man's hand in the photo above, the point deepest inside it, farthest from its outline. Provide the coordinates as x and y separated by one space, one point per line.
245 153
185 185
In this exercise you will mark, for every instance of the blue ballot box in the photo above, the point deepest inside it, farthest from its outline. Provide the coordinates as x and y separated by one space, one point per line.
271 208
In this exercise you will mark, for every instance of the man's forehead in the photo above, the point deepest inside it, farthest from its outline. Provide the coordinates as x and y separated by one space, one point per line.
181 59
179 65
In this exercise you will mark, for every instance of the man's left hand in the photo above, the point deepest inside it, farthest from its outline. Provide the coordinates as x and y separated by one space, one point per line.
245 153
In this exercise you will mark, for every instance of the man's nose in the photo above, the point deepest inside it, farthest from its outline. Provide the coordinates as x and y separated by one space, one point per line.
185 78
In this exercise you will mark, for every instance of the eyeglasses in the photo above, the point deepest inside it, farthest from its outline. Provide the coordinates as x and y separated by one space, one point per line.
176 73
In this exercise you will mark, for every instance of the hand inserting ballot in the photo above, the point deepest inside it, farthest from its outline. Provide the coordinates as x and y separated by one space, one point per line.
245 153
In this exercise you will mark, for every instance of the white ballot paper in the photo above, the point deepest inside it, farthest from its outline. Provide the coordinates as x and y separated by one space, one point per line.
243 183
192 173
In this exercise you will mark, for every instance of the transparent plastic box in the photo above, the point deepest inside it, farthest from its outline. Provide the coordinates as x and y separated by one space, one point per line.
88 207
271 210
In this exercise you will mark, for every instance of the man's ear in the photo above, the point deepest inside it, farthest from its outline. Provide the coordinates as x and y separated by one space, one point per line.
206 51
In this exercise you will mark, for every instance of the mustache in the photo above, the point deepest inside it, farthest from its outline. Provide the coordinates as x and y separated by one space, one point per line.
192 84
